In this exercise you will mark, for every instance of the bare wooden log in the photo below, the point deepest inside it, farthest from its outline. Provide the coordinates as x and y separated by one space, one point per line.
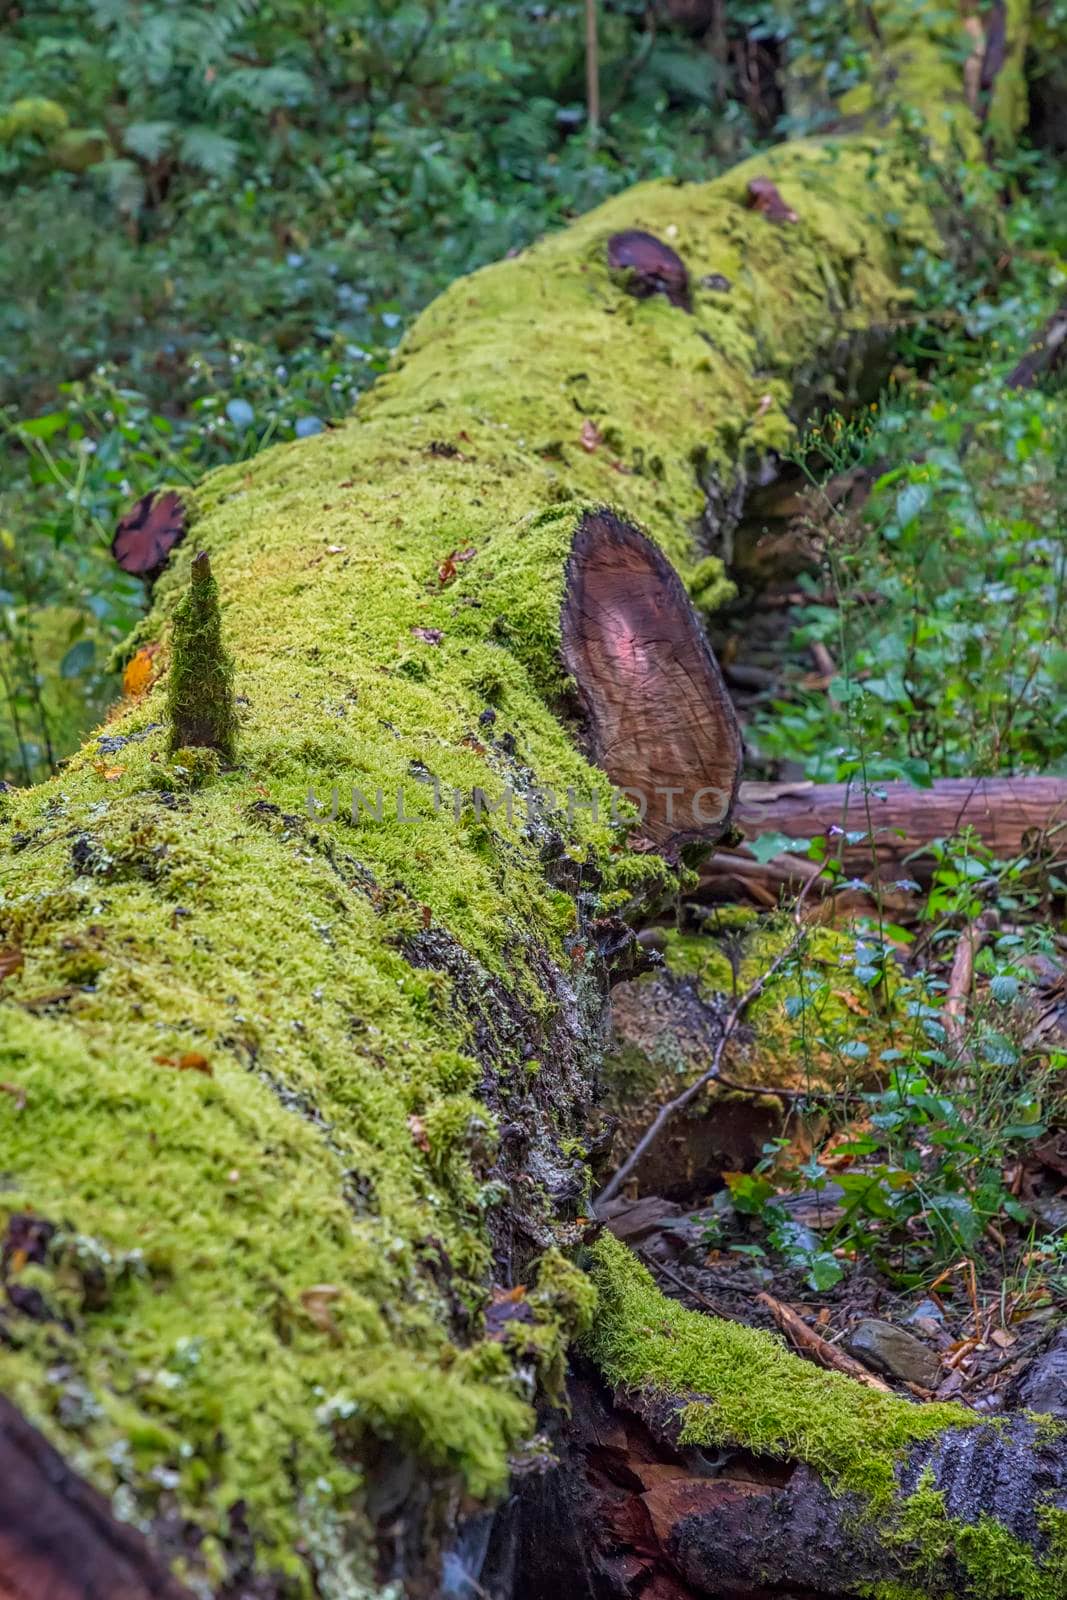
886 831
659 719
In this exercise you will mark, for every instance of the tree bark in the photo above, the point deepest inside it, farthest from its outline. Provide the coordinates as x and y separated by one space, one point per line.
635 1509
299 1092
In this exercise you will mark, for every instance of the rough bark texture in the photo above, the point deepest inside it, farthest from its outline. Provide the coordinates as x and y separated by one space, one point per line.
58 1538
303 1090
635 1510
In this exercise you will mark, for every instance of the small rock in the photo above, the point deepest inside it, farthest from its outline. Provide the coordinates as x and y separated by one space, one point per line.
894 1352
928 1320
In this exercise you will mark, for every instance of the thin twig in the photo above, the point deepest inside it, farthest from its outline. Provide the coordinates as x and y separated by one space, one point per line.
961 978
592 68
655 1267
812 1344
680 1101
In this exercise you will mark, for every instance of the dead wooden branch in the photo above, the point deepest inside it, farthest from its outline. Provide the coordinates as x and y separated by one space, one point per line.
886 832
680 1101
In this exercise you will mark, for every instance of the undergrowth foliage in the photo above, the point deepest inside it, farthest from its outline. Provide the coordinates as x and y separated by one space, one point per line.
949 584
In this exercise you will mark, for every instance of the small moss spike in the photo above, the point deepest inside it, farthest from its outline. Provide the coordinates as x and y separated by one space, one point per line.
200 704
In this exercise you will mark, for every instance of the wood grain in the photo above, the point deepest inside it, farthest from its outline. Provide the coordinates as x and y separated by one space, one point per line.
658 718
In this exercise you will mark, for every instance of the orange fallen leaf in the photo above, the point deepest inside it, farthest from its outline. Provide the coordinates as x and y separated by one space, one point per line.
850 1001
193 1061
420 1137
447 570
140 673
109 774
189 1061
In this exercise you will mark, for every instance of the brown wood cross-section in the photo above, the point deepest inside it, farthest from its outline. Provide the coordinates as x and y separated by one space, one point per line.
658 718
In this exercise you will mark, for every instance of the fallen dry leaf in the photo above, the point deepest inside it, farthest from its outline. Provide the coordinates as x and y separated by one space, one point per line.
11 961
447 570
141 672
316 1302
193 1061
428 635
591 438
420 1138
189 1061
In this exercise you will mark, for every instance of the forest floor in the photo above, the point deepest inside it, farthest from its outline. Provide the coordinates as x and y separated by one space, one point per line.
899 616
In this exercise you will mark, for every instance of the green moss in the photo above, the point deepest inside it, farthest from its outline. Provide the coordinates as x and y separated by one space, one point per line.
45 118
200 708
738 948
754 1393
1007 108
993 1560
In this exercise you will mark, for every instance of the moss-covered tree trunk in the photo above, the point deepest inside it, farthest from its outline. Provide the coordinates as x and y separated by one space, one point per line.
299 1050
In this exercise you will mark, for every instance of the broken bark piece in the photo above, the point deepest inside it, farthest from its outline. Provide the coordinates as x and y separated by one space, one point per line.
148 533
1047 356
200 702
658 718
58 1538
765 197
647 266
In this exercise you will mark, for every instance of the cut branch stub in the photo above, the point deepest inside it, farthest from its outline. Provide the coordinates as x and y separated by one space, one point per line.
200 699
58 1539
647 266
658 718
148 532
765 197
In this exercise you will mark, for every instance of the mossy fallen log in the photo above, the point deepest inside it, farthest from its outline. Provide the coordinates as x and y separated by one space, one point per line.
299 1052
779 1478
